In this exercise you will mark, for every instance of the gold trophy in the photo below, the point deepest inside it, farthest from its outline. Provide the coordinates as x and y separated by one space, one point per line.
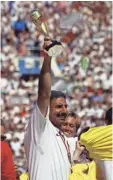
55 48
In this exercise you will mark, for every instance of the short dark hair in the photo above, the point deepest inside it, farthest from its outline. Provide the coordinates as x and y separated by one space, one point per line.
83 131
56 94
108 116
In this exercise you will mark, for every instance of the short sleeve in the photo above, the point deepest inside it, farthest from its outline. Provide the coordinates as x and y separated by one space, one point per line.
36 126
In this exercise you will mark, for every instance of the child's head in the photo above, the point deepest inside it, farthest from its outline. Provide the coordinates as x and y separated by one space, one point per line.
71 124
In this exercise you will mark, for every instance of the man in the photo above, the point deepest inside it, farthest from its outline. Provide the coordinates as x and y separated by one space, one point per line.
47 150
7 166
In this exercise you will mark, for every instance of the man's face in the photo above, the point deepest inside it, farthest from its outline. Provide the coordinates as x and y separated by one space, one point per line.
58 111
68 127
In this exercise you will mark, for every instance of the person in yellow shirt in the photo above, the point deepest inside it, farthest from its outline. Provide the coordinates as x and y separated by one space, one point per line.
97 142
83 167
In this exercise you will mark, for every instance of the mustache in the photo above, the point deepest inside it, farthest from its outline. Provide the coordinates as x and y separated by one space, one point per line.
61 115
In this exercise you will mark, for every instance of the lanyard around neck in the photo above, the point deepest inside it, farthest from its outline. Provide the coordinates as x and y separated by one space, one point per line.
66 144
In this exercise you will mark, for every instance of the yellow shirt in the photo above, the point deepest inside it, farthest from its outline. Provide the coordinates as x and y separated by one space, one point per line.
84 171
98 141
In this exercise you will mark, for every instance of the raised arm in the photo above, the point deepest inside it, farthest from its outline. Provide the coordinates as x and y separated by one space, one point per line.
44 91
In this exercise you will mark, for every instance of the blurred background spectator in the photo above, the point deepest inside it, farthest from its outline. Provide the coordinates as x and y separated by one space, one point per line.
84 28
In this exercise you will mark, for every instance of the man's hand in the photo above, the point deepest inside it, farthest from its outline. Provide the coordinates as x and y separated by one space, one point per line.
47 42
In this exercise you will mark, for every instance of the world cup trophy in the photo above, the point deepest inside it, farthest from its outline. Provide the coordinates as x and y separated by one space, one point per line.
55 48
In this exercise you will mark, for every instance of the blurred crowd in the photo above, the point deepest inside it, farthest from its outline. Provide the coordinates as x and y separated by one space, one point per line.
89 92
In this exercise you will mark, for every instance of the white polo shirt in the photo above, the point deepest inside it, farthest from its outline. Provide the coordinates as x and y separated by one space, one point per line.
45 151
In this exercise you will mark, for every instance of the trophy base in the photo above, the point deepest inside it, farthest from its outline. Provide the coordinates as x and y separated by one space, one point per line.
54 49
